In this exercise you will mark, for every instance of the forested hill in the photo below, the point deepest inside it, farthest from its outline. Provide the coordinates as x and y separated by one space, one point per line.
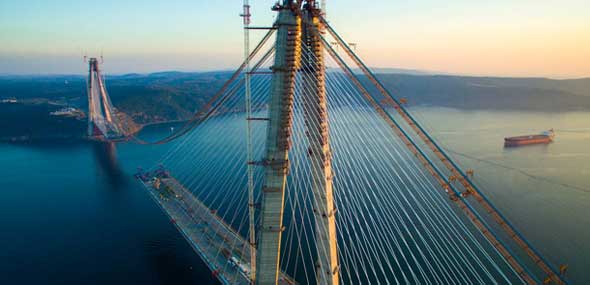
175 95
148 98
526 94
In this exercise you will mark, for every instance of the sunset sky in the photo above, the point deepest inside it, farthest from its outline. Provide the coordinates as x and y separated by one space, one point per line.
505 38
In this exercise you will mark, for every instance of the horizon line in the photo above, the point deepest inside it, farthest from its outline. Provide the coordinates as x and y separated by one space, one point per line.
396 71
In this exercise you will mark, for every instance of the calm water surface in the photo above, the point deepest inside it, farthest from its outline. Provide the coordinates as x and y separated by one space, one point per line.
73 214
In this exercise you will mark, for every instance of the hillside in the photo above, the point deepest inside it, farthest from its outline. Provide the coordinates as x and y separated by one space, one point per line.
167 96
28 122
149 98
526 94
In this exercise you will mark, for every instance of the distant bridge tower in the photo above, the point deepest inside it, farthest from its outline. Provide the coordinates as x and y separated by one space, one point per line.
291 36
102 120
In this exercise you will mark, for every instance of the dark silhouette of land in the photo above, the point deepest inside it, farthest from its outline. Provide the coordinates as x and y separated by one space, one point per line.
174 96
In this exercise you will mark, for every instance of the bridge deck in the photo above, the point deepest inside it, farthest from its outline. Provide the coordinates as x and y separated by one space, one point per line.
225 252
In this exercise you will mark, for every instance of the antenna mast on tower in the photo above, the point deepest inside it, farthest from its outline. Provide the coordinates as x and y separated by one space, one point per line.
251 208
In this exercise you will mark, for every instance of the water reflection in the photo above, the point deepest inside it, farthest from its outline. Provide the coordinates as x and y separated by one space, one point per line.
105 155
91 190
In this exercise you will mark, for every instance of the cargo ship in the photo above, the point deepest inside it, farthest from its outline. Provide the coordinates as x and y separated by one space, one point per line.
543 138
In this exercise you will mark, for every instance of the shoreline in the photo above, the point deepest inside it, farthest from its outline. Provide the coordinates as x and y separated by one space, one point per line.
28 138
23 139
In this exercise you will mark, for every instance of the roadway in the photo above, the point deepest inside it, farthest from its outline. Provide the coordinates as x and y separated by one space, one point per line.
225 252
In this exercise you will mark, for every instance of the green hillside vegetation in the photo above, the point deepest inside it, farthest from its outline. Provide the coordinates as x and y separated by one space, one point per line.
172 96
525 94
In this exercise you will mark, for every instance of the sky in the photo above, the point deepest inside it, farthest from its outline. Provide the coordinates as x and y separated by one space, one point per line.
548 38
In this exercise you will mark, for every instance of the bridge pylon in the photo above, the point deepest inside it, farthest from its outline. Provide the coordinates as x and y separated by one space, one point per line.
287 62
102 119
293 40
316 124
434 240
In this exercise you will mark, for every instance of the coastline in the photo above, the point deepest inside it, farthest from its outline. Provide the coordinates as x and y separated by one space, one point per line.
21 139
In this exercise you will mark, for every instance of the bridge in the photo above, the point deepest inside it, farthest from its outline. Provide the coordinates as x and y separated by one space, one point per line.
304 168
105 123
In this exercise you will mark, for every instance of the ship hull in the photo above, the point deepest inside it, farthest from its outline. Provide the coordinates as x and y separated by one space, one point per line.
527 140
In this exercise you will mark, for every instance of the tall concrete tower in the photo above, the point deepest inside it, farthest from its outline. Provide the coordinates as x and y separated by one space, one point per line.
297 26
278 142
316 123
101 116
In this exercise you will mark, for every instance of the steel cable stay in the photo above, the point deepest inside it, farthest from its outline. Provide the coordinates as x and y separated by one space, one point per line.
301 143
336 156
445 145
470 188
433 171
298 194
355 154
296 158
292 201
231 161
306 111
523 172
313 111
298 142
207 109
178 154
364 206
228 161
342 76
300 150
362 255
299 184
328 83
399 217
202 171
